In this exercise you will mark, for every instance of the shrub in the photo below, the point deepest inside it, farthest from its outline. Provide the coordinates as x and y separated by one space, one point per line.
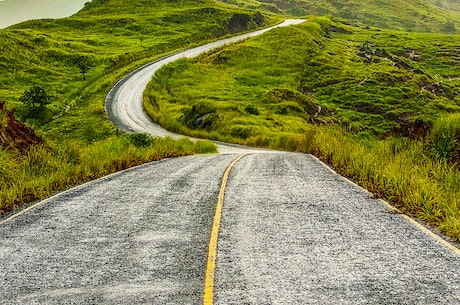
201 115
35 101
251 109
444 140
140 139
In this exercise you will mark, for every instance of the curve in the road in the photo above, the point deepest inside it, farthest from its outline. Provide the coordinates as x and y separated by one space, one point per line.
124 103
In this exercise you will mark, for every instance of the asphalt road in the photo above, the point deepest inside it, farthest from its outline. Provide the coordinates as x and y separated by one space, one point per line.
292 232
136 237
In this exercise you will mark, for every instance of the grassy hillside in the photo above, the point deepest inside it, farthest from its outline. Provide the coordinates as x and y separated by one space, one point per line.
370 82
15 11
415 16
76 61
381 106
107 38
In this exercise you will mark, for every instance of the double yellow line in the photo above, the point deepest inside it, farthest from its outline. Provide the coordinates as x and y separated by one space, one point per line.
208 297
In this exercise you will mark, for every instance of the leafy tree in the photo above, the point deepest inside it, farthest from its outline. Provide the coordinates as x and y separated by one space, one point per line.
35 101
82 63
84 67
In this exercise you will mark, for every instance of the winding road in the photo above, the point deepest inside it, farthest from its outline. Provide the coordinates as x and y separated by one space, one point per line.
124 103
240 227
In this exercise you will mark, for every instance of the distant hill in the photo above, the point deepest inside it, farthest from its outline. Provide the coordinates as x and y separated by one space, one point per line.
414 16
15 11
453 5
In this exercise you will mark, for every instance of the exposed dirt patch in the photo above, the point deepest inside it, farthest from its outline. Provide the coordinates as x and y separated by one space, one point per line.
412 129
14 134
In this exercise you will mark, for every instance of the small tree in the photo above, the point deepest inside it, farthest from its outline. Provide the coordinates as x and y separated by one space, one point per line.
35 101
84 67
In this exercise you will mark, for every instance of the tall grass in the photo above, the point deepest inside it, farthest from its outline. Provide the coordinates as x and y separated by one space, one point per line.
444 142
45 169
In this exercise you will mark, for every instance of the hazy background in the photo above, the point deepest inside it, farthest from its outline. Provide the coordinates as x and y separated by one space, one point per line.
15 11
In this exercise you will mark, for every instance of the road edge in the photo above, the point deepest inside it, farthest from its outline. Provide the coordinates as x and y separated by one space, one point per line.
435 235
15 214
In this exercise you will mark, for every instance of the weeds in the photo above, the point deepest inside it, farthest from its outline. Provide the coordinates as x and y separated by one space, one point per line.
444 142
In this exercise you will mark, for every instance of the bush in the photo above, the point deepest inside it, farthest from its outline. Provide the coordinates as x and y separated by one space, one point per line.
251 109
444 141
35 101
449 27
201 115
140 139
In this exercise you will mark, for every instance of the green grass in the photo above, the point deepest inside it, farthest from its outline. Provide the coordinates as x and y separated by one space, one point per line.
364 81
396 169
112 38
362 100
444 141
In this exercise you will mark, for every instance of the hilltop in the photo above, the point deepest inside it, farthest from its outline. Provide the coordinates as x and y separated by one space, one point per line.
452 5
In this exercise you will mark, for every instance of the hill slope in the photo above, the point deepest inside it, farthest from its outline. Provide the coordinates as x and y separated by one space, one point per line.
15 11
453 5
368 81
419 15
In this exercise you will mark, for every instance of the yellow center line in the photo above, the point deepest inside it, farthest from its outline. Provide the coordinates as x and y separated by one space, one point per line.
208 297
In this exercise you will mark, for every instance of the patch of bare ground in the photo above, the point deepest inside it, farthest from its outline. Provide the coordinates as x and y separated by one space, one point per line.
14 134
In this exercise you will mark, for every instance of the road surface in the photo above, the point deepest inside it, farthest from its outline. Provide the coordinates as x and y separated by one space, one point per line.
292 232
